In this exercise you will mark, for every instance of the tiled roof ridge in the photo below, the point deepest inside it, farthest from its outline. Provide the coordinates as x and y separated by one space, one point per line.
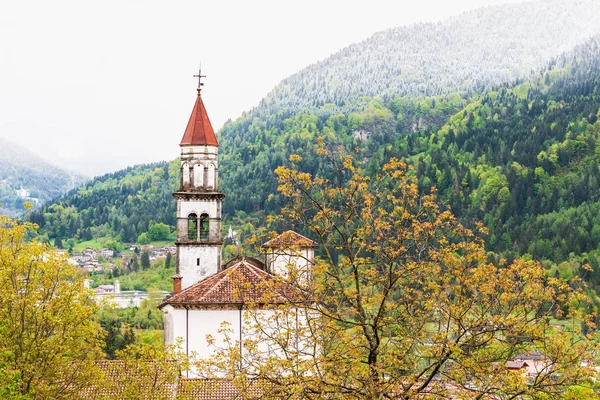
199 130
170 384
218 278
255 270
205 291
226 275
280 238
222 279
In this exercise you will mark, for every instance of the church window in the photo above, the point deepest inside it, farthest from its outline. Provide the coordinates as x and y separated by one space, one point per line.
185 175
204 226
192 227
198 175
198 261
211 176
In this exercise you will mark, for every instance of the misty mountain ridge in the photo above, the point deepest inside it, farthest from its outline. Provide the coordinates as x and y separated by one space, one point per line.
472 52
468 148
25 176
399 123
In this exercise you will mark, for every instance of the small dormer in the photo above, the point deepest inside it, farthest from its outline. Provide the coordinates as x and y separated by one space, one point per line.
290 251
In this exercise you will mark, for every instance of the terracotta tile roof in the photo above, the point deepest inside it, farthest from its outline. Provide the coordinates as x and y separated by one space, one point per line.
146 379
242 282
516 364
254 261
290 238
199 131
217 389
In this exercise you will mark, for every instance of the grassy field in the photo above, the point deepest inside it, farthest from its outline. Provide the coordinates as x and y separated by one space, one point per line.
96 244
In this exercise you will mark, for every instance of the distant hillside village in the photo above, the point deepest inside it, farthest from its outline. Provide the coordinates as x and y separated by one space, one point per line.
16 197
25 195
91 260
106 260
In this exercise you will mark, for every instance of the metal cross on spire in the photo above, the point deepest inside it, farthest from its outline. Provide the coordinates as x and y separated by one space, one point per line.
200 76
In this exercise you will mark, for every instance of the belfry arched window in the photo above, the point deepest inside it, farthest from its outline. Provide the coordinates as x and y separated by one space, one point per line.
204 229
185 176
198 175
210 181
192 227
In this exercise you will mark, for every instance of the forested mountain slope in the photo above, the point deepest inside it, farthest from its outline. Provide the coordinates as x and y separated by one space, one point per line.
526 161
22 169
470 53
120 205
522 158
251 148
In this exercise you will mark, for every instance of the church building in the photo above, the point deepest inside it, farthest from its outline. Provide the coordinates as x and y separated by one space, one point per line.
206 291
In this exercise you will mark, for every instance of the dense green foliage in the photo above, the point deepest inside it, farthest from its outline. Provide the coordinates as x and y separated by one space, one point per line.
522 158
469 53
118 334
119 323
525 161
253 147
133 276
122 205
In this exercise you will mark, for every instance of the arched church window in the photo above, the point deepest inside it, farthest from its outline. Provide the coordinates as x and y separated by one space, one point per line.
198 175
211 176
204 226
185 175
192 227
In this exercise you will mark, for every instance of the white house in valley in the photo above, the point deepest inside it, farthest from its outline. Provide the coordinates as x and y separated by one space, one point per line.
206 291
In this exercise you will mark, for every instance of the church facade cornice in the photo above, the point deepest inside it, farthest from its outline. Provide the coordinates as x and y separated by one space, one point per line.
199 195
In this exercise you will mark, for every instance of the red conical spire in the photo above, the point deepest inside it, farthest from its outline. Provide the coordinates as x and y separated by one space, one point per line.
199 131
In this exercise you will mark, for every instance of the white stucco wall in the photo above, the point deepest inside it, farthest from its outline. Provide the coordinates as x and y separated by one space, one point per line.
198 175
199 207
280 260
199 152
209 259
185 174
193 326
199 166
211 176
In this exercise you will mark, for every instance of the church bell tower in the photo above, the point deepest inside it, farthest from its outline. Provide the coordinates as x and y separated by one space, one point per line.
199 242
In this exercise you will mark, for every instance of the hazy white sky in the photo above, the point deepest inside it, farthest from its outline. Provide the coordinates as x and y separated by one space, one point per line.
96 86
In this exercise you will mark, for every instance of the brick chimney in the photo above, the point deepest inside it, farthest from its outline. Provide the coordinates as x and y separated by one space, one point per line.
176 283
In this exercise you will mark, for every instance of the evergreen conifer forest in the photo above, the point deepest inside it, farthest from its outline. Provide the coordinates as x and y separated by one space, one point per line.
450 173
522 158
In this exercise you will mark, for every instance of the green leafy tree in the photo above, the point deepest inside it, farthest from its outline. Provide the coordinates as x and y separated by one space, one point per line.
403 303
159 231
49 339
145 370
118 334
145 260
143 239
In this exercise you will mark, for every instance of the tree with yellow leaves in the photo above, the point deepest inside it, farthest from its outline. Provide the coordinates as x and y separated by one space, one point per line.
404 305
144 370
49 340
